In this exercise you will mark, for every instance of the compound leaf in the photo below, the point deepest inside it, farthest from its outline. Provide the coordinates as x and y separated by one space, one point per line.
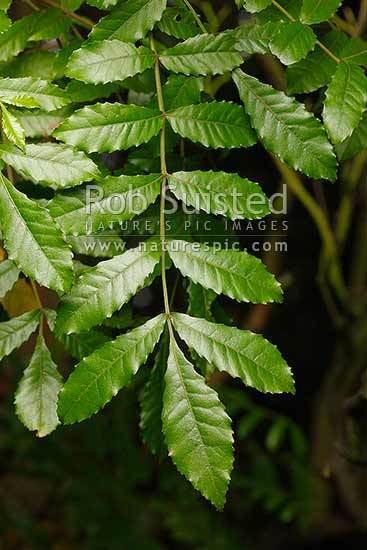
253 6
129 21
115 199
219 124
12 127
15 332
220 193
33 240
9 274
345 102
99 377
205 54
197 429
104 289
38 391
286 128
317 69
107 127
292 42
236 274
151 401
44 95
108 61
50 164
316 11
240 353
355 143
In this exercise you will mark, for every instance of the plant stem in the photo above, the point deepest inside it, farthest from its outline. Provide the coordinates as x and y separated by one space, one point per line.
162 221
331 253
195 15
291 18
82 21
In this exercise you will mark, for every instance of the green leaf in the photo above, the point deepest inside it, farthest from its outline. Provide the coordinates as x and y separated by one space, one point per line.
286 128
219 124
15 39
33 240
317 69
151 402
38 391
255 38
104 289
9 274
292 42
12 127
51 23
21 101
5 22
83 344
316 11
99 377
236 274
274 14
355 51
197 429
81 92
355 143
45 95
129 21
36 64
178 22
181 90
200 301
108 61
40 124
103 245
107 127
254 6
102 4
50 164
4 4
15 332
240 353
345 102
114 200
220 193
205 54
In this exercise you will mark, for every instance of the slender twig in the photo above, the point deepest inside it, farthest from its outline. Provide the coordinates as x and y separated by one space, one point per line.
162 221
330 248
79 19
195 15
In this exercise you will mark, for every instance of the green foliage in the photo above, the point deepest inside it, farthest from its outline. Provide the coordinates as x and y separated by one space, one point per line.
29 232
242 354
286 128
15 332
316 11
156 74
192 407
50 164
9 274
37 393
106 128
102 374
239 275
216 124
346 100
97 62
